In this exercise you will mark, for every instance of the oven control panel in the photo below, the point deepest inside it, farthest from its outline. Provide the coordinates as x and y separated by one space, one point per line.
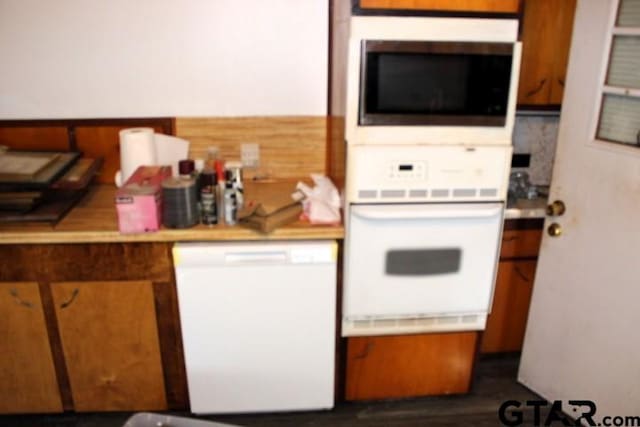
407 170
427 173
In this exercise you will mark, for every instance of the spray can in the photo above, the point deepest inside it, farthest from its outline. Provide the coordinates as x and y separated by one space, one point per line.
208 203
230 204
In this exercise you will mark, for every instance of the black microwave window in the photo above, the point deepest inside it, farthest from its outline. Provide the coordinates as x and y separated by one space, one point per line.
462 86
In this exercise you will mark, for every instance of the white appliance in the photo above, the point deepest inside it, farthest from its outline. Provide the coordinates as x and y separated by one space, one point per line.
423 236
429 112
417 80
258 324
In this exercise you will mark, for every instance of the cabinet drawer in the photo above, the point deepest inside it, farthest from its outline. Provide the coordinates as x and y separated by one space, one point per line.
401 366
520 243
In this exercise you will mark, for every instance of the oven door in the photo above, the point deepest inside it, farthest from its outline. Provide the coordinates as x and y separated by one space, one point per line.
420 267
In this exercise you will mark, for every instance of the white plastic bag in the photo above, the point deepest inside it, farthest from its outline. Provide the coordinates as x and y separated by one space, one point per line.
322 202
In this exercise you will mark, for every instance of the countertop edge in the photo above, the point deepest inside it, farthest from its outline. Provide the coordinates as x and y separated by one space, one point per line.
240 234
516 213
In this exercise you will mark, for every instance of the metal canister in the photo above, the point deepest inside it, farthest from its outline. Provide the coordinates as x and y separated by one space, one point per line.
179 203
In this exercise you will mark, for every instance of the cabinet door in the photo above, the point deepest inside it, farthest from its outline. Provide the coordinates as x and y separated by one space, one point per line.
499 6
27 375
546 38
383 367
54 138
110 344
508 318
564 14
538 51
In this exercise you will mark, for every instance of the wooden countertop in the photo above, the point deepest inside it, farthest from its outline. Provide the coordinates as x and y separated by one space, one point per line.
94 220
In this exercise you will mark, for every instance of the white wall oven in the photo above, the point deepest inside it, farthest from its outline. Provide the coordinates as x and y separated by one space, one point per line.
423 234
431 80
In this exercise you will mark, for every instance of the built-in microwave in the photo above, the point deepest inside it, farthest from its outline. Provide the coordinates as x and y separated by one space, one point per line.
432 80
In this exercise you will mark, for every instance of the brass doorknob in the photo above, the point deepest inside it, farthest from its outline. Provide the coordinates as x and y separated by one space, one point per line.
554 229
556 208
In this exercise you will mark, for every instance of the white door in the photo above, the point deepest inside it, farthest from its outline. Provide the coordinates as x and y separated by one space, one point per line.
582 339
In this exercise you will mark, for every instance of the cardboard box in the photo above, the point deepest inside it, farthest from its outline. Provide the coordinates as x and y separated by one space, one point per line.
273 206
139 200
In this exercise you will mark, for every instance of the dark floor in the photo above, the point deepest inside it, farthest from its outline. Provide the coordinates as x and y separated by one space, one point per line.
494 382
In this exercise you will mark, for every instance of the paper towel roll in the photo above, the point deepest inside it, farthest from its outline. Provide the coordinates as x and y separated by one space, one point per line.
170 150
136 149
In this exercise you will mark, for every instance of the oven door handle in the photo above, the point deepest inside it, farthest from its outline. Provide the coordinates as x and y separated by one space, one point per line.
414 212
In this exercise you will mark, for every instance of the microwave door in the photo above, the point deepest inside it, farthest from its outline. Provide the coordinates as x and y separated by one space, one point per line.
434 83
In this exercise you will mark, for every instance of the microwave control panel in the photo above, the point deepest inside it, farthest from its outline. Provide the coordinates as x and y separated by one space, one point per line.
410 170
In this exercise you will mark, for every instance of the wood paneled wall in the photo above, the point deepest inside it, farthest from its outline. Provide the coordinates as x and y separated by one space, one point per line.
290 147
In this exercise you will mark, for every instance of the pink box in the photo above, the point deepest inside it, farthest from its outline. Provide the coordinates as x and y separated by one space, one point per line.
139 200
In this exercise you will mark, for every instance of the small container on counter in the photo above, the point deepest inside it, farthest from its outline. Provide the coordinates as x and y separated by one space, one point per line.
180 203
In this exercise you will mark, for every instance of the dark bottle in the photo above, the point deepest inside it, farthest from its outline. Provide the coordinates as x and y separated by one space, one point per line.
208 205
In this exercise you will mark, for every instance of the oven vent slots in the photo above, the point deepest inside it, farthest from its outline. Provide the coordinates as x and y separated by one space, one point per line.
449 320
464 192
440 193
392 194
418 193
385 322
422 194
470 319
368 194
413 325
488 192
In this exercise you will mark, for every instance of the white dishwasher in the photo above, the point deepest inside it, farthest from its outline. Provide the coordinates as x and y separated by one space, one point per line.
258 324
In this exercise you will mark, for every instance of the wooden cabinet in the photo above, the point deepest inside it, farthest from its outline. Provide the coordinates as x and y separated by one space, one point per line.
507 321
110 343
495 6
383 367
111 337
28 380
29 137
547 26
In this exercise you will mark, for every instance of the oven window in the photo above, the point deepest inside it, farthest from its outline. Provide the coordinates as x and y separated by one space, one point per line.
423 262
435 83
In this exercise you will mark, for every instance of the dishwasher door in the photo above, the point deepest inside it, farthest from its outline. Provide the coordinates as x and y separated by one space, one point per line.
258 325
